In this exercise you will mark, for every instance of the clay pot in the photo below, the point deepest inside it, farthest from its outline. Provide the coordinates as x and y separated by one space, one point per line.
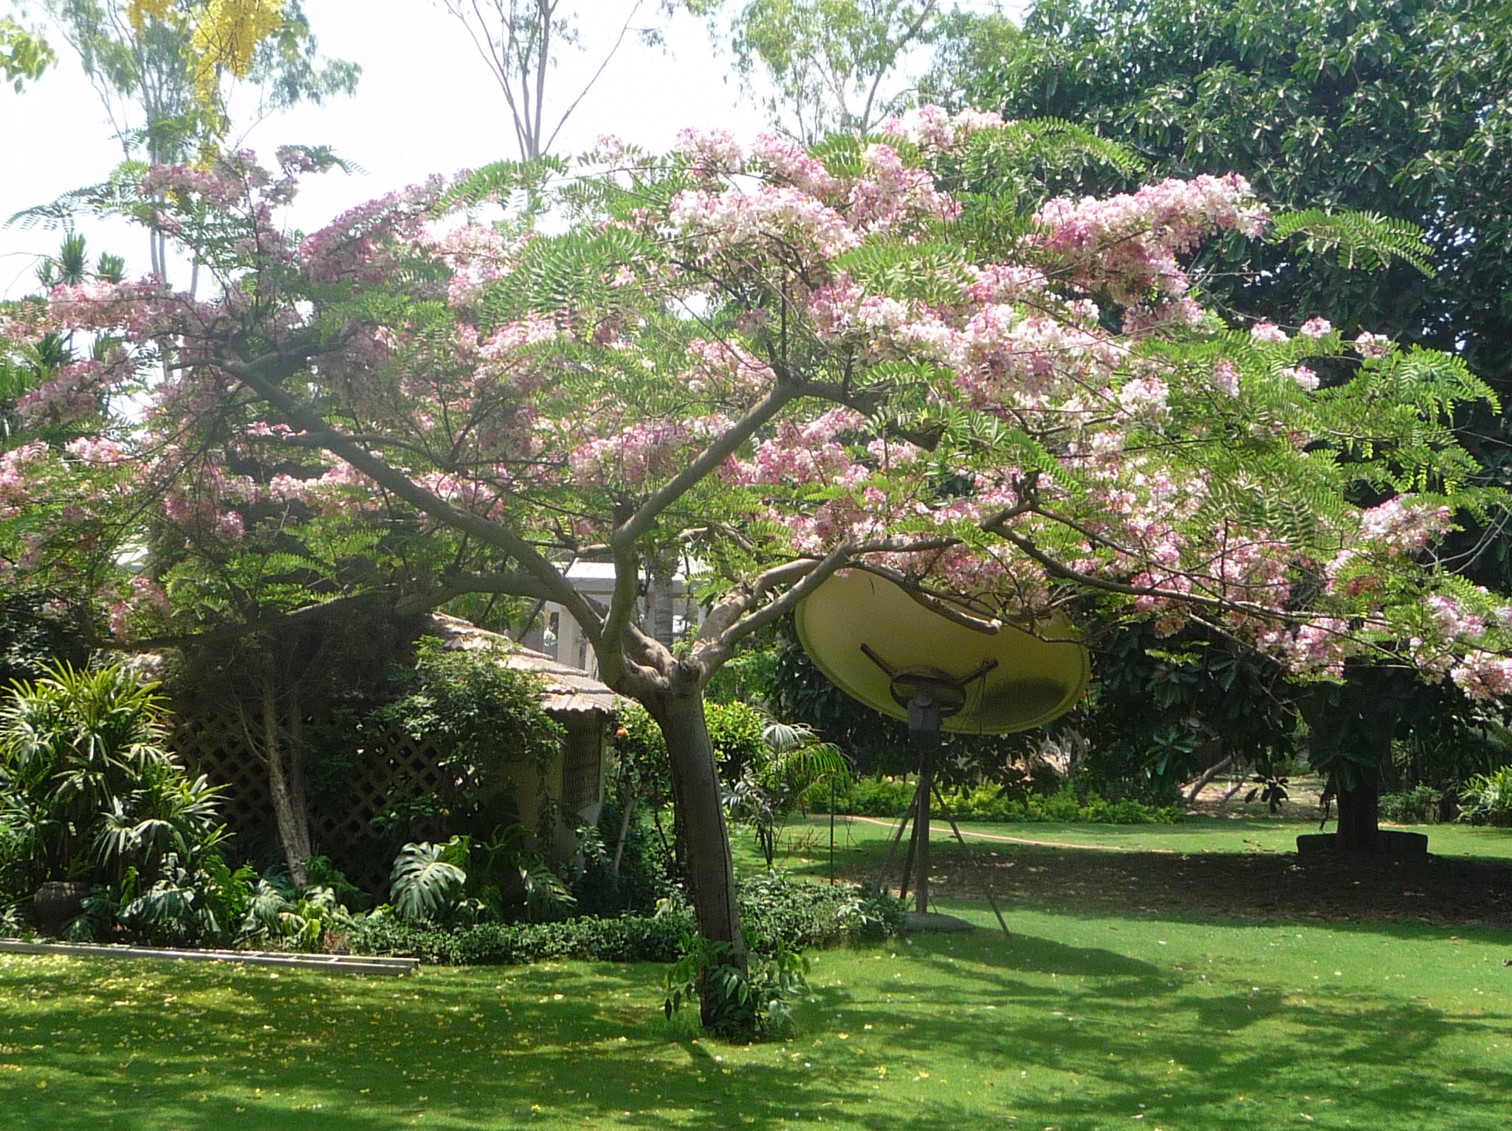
57 902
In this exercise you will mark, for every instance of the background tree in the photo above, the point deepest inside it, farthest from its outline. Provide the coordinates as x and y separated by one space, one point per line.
784 363
1397 107
165 70
823 66
24 54
520 40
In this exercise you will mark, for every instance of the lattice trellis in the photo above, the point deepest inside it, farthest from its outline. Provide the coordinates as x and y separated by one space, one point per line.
395 768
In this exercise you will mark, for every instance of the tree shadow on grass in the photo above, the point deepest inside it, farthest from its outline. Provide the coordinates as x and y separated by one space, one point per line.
149 1048
1112 1041
1447 890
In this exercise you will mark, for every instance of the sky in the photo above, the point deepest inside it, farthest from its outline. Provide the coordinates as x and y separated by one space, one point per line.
426 104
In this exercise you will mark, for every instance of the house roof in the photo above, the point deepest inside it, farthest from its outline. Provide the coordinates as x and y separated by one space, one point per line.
567 689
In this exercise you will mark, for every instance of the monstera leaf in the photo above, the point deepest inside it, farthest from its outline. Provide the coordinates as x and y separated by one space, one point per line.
425 884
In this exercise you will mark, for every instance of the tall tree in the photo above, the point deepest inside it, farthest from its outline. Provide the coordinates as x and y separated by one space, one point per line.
164 70
520 41
1398 107
786 363
823 66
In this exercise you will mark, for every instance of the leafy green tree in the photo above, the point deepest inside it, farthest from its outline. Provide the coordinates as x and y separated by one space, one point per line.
163 70
24 54
1394 107
1397 107
823 66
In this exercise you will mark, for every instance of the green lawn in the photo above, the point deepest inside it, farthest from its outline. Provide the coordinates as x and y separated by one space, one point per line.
1077 1021
807 840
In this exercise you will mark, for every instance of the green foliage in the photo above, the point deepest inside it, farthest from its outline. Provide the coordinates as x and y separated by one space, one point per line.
629 938
794 760
738 1005
801 915
828 64
24 55
88 789
1486 799
793 914
424 884
1365 240
737 733
1160 703
891 797
485 717
1416 806
278 915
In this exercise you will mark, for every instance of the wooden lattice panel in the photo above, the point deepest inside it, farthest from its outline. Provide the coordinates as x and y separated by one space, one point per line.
217 748
395 768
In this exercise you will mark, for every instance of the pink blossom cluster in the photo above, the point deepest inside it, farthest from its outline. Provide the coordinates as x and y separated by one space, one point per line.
98 451
725 370
1483 675
144 605
642 454
803 452
1318 647
935 130
891 195
770 216
785 160
1401 526
17 469
357 247
1128 243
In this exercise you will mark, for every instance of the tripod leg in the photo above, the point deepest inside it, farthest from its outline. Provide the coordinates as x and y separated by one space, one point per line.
892 848
991 899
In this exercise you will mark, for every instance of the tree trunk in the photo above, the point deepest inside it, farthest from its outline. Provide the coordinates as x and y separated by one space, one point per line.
286 790
1359 816
696 794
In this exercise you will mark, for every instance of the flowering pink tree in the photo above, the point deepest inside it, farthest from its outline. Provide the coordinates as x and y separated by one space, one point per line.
775 364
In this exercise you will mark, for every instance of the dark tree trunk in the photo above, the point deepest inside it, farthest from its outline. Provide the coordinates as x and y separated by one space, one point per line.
696 794
1359 816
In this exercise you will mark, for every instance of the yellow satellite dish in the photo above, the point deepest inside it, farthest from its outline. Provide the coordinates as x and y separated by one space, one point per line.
875 641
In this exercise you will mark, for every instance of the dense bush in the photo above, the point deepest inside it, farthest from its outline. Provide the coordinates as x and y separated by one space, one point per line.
1486 799
779 914
890 797
641 878
1416 806
89 793
783 913
630 938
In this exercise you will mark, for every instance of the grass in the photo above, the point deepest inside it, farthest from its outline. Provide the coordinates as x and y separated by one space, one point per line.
1077 1021
807 840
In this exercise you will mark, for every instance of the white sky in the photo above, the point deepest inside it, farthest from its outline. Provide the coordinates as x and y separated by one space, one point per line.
426 104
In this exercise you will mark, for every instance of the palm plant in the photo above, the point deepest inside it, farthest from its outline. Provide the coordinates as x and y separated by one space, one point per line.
88 789
766 793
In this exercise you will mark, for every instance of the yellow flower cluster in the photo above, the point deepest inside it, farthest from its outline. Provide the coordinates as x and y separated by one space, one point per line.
142 12
226 37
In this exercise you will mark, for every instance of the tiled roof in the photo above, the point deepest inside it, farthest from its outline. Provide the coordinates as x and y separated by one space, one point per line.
568 689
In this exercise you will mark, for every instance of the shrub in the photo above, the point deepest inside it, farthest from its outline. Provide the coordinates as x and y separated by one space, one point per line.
1415 806
891 797
630 938
1486 799
779 914
89 792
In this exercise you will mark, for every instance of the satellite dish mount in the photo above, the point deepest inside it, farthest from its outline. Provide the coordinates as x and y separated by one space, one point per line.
929 695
